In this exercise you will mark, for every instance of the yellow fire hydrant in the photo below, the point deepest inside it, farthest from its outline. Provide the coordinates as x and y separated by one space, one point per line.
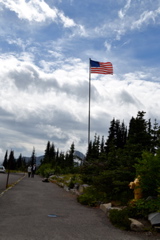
137 189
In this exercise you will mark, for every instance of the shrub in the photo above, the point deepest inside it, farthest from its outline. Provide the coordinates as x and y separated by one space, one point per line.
72 182
92 197
44 170
148 168
87 199
142 207
119 218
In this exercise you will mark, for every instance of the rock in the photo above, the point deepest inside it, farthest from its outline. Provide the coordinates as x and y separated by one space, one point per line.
154 218
136 225
82 187
66 188
60 184
76 186
105 207
45 180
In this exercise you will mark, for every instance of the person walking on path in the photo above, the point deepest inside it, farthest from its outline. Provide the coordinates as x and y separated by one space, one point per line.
29 170
33 170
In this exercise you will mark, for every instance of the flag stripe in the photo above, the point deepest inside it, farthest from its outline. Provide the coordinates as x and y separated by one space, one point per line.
101 67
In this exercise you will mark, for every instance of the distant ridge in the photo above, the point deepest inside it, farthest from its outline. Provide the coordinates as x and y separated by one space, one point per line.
38 159
77 154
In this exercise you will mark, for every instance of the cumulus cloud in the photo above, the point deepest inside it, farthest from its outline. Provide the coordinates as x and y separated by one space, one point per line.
39 11
34 10
55 107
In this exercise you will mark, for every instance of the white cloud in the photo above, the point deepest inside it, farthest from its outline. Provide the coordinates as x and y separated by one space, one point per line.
34 10
134 15
122 12
39 11
107 45
44 106
66 21
145 18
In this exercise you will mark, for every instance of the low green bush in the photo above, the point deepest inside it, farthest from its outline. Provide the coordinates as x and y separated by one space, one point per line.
92 197
44 170
72 182
120 219
86 199
143 207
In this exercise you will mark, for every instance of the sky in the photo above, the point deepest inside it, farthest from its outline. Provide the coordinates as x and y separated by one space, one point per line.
45 47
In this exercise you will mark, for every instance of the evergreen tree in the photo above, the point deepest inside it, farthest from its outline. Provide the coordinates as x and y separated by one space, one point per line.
61 160
70 157
33 157
50 154
89 152
148 168
94 149
155 140
46 158
102 149
11 161
19 162
139 139
138 132
117 136
5 162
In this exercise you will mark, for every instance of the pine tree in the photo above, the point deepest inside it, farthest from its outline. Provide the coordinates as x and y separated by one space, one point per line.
11 161
70 157
155 140
94 149
102 149
33 157
139 138
117 136
89 152
46 158
50 154
19 162
5 162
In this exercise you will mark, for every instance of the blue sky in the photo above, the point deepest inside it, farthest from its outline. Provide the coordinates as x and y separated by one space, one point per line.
45 46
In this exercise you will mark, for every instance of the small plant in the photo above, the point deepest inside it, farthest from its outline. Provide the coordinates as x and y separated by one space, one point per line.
119 218
72 182
87 199
92 197
143 207
44 170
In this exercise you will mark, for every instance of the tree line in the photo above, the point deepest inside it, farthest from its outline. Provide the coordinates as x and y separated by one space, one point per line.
111 164
127 153
20 164
62 162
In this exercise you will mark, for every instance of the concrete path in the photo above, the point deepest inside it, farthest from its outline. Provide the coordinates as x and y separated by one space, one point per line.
25 210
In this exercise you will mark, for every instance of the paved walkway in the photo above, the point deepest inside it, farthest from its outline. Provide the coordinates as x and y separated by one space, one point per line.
25 210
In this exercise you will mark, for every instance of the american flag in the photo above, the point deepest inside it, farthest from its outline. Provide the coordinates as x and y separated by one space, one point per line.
101 67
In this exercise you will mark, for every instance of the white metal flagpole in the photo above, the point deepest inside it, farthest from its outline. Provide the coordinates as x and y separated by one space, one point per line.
89 101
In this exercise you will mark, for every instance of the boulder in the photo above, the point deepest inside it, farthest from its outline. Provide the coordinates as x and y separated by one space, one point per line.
154 218
45 180
136 225
82 187
106 207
